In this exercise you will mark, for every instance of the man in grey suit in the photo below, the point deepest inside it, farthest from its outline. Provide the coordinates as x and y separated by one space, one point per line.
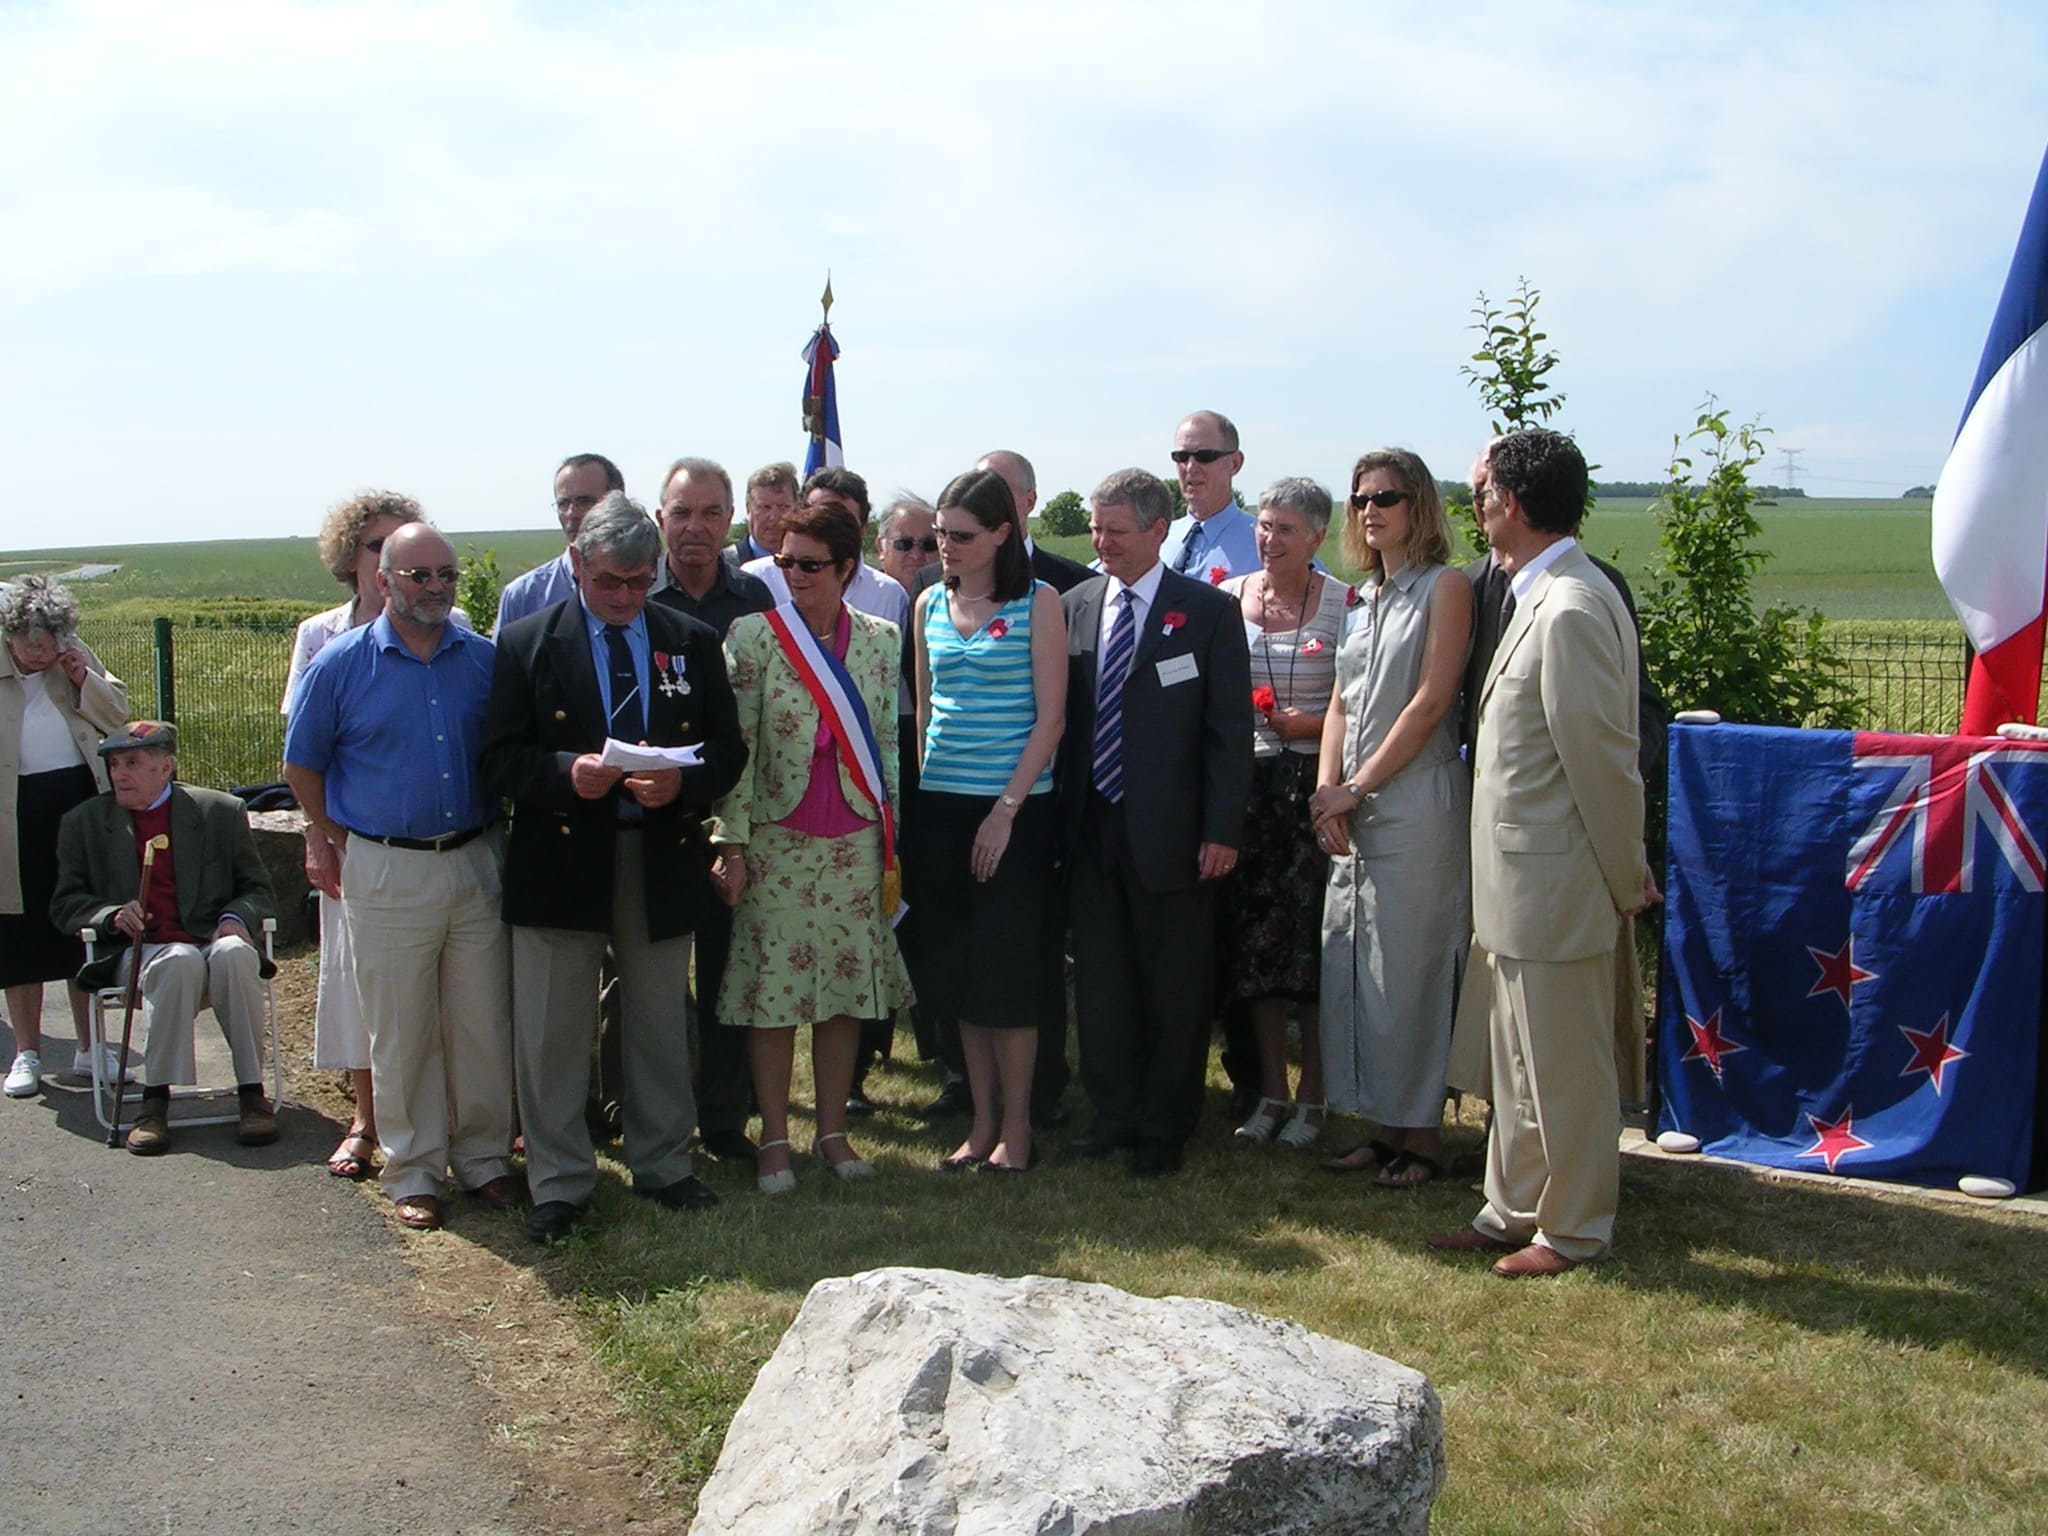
1557 858
1154 772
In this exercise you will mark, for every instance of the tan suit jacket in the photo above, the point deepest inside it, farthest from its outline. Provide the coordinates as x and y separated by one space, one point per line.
90 713
1557 804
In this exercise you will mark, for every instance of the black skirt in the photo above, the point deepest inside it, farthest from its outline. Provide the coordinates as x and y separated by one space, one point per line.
31 950
973 951
1271 913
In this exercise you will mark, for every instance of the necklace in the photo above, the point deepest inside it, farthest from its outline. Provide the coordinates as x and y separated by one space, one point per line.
1266 606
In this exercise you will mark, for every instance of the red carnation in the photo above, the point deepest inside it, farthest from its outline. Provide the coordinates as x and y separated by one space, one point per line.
1174 620
1218 574
1263 700
997 628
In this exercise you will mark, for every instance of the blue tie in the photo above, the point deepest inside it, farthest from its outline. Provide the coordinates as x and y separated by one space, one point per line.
628 722
1109 700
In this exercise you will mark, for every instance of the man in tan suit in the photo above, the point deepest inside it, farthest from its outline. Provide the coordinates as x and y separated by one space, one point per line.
1557 857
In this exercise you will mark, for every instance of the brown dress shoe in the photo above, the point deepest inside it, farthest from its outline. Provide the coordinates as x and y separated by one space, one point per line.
422 1213
502 1193
151 1132
1534 1262
1468 1240
256 1124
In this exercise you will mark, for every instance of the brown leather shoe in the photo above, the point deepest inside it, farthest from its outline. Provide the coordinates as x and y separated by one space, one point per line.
256 1124
1535 1262
151 1132
1468 1240
503 1193
422 1213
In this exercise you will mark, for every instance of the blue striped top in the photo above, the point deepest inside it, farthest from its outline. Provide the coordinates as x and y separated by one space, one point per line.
982 702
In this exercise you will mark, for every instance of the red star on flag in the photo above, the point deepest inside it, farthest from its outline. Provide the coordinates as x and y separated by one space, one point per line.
1931 1051
1837 1140
1709 1044
1839 972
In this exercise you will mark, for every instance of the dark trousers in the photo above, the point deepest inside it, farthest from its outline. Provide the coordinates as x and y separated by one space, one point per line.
1143 986
1050 1076
725 1087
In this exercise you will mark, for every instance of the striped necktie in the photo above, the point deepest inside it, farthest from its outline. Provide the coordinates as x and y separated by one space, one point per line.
1109 699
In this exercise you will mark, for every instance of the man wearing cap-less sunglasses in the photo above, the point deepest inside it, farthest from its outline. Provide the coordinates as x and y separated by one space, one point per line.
1214 541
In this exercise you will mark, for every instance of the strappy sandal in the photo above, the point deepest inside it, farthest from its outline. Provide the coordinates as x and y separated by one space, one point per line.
1356 1160
1265 1122
1304 1129
1391 1176
344 1164
782 1181
852 1168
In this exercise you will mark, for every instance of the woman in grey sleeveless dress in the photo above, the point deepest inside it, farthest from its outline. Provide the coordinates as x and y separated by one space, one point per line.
1392 808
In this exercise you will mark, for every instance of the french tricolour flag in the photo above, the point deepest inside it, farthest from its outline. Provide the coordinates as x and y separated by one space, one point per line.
1991 505
821 404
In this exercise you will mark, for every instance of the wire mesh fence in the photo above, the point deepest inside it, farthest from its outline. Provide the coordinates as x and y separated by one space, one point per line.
226 678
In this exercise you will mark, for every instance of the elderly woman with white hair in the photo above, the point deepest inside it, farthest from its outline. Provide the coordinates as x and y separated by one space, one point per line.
56 703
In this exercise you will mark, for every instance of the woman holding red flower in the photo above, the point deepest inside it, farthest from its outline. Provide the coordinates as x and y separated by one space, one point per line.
1272 903
991 703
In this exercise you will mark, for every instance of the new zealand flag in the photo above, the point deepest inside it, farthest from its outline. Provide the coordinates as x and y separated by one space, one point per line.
1853 935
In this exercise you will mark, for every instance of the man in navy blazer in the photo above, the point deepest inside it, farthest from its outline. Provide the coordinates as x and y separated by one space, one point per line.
600 856
1154 772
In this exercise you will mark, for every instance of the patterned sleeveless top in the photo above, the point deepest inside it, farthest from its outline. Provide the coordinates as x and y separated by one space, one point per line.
983 707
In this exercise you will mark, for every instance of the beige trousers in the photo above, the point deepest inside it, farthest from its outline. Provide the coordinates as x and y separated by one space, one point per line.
1553 1162
433 973
179 980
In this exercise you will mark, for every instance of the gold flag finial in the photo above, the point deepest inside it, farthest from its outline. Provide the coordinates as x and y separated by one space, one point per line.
826 298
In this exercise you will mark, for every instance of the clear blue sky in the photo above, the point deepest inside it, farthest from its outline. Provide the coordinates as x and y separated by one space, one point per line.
262 254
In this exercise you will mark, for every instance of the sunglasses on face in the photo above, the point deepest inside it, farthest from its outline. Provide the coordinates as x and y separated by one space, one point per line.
374 546
959 536
420 575
802 563
1360 500
1199 455
903 544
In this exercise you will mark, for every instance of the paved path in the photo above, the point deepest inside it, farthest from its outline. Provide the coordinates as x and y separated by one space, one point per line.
219 1341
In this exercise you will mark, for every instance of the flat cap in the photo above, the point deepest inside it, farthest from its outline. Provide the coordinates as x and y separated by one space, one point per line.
157 735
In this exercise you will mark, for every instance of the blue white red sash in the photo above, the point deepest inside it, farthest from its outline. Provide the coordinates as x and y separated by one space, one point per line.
840 706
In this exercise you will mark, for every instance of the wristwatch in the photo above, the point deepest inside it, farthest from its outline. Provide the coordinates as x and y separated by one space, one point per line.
1010 802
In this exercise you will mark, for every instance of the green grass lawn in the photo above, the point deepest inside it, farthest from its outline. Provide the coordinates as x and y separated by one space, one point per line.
1756 1357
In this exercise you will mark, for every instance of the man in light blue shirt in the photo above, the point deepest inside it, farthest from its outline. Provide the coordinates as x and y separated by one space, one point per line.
1214 541
580 483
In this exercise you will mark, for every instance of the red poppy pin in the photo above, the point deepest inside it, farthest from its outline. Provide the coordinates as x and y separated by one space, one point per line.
1313 646
1172 621
1262 700
1351 598
997 628
1218 574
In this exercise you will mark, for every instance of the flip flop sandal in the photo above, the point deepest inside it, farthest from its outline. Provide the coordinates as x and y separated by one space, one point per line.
1382 1152
1391 1175
344 1164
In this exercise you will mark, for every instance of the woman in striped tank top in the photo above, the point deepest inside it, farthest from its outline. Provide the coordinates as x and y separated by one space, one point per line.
991 702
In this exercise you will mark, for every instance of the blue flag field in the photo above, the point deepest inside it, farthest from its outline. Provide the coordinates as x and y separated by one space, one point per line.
1853 950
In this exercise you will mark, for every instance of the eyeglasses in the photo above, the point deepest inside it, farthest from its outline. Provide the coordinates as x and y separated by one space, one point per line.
576 503
374 546
420 575
959 536
1360 500
803 563
903 544
1200 455
607 583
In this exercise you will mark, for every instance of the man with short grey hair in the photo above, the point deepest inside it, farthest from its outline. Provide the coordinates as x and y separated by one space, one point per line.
1159 705
604 852
1214 541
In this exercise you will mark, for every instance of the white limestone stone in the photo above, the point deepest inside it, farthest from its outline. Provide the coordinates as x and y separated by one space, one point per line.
923 1402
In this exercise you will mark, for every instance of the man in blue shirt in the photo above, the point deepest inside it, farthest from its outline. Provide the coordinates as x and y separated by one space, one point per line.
581 481
1213 541
381 751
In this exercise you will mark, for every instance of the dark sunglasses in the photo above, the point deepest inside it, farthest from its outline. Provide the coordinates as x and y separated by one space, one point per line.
959 536
1360 501
903 544
420 575
374 546
1200 455
802 563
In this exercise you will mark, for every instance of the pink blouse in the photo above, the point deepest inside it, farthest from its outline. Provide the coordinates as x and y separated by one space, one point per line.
823 811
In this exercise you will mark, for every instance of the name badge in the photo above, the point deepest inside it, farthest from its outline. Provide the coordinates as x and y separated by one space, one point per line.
1178 669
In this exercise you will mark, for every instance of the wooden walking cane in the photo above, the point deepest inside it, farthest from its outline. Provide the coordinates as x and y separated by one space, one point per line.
150 850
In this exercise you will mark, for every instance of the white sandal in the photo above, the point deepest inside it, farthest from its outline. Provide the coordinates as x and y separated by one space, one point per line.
852 1168
779 1183
1305 1127
1264 1123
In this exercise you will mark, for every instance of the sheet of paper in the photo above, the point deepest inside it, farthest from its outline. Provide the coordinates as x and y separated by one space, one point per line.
620 754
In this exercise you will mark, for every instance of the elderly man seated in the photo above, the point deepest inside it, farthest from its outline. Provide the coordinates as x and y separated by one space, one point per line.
207 893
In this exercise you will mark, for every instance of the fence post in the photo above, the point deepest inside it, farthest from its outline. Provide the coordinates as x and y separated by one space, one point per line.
166 675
